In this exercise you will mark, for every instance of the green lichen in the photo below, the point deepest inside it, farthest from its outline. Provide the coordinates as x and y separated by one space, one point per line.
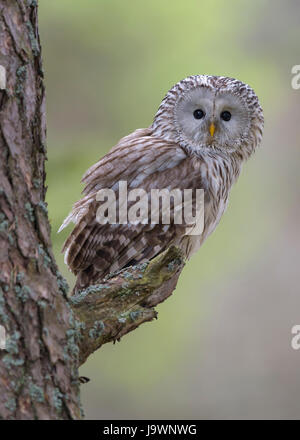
11 404
33 41
46 259
29 212
142 266
10 361
12 347
78 325
122 319
22 71
21 78
128 275
62 283
57 399
23 293
12 343
20 277
125 291
43 206
81 409
36 183
3 315
76 299
36 393
18 385
73 334
3 222
42 303
66 354
172 265
134 315
97 330
11 238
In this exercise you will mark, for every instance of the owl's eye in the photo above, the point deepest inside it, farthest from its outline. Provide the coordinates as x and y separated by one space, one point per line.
199 114
226 115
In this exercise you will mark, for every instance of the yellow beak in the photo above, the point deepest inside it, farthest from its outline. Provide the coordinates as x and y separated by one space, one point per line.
212 129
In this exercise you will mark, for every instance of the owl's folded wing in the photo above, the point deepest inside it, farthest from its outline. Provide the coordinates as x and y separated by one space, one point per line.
96 249
132 159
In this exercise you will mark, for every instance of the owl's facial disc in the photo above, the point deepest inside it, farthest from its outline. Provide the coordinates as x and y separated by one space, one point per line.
206 118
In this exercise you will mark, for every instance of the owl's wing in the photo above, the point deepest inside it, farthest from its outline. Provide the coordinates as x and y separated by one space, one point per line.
92 249
134 157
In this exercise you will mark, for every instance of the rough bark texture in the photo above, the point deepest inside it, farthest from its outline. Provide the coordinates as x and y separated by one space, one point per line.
48 334
38 369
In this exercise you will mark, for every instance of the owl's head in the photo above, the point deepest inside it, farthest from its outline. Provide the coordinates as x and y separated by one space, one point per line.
211 112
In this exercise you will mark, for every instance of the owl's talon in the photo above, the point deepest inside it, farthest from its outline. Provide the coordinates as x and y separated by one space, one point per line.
83 379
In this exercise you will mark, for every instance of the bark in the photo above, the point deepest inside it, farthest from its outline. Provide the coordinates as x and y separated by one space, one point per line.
38 369
48 334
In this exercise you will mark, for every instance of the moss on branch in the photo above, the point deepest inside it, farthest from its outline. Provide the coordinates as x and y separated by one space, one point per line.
124 300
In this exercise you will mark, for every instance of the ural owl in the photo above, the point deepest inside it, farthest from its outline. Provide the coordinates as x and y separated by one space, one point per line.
203 131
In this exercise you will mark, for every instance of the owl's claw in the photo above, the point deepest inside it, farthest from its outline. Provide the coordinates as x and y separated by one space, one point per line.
84 379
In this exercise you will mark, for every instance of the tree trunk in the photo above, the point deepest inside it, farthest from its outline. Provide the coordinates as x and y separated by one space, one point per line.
48 335
38 369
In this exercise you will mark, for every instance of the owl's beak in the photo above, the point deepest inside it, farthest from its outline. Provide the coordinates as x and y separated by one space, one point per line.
212 129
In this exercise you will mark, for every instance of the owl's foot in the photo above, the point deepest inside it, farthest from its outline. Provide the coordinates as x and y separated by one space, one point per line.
84 379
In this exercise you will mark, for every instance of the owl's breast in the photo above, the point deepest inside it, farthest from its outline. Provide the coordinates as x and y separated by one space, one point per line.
215 179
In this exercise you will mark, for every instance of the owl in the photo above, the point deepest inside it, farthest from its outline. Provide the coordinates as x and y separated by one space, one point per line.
205 128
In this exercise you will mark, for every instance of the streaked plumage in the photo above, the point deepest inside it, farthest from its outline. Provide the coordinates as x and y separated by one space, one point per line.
176 151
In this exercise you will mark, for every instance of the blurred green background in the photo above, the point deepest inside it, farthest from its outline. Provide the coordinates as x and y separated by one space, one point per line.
221 346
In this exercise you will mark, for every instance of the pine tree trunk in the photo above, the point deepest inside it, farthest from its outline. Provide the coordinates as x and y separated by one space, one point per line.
38 368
